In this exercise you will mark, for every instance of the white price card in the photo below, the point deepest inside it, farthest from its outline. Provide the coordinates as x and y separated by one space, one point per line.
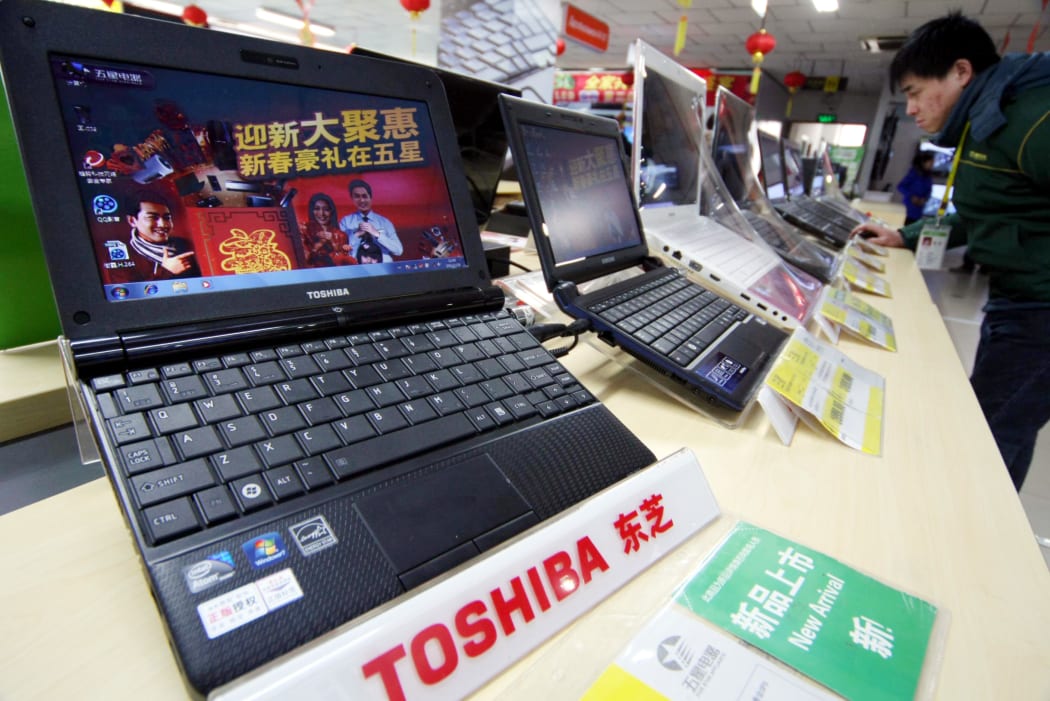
843 397
864 279
860 318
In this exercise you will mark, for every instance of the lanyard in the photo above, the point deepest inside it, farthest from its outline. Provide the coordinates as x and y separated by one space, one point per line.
950 182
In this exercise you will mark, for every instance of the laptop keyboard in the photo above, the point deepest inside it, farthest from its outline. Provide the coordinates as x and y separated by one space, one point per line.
812 220
497 40
671 315
211 440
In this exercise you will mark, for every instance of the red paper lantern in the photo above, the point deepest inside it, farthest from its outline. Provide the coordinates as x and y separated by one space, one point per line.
194 16
559 47
416 7
758 45
794 80
628 78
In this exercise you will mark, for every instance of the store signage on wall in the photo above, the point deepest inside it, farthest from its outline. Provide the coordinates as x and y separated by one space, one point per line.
591 87
586 28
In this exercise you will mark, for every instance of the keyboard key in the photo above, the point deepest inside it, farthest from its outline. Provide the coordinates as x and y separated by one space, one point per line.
241 431
166 521
314 473
318 439
128 429
251 493
284 482
173 418
235 463
397 446
223 381
280 450
138 398
197 442
215 409
146 455
386 420
319 411
215 504
170 482
417 411
296 391
258 399
283 420
183 389
354 429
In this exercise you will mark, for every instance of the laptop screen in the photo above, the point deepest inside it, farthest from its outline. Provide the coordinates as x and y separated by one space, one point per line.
772 166
194 183
731 144
669 166
581 183
796 186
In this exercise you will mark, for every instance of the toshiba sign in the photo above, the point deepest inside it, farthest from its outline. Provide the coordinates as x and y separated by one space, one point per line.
586 28
452 637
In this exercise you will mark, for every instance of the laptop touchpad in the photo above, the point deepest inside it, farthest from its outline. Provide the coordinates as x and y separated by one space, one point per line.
418 521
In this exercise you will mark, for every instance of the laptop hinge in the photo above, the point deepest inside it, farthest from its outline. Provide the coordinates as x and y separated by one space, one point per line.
156 345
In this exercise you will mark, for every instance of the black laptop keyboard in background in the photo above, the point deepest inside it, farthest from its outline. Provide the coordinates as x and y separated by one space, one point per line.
671 315
215 439
766 231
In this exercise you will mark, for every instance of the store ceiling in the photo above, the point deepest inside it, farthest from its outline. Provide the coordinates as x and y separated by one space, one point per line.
815 43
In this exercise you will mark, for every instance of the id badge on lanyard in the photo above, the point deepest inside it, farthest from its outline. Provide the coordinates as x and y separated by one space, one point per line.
933 239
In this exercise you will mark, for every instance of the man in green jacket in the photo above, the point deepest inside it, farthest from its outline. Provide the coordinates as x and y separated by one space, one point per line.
997 111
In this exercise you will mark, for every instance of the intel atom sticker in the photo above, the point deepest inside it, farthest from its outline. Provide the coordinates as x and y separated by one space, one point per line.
217 567
251 602
313 535
265 550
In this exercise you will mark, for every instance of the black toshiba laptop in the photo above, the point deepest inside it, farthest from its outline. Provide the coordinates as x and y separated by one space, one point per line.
578 194
272 287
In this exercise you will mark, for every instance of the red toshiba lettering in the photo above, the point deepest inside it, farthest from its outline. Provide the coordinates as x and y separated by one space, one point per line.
428 673
470 622
384 667
538 590
518 602
590 558
562 577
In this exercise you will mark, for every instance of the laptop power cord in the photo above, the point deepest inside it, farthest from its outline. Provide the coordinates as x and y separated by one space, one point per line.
545 332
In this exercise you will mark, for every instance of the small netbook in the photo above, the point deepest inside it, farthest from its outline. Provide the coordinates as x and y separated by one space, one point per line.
587 228
272 288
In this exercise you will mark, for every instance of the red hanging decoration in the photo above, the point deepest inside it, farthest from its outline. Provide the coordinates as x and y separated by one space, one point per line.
628 78
793 81
559 47
416 7
758 45
194 16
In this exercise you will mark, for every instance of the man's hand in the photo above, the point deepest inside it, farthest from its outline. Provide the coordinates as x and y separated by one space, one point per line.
176 265
881 235
367 227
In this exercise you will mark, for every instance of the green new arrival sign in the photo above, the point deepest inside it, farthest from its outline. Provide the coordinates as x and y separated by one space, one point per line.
855 635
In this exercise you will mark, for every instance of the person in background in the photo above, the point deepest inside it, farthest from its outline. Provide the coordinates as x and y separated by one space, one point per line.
997 112
916 186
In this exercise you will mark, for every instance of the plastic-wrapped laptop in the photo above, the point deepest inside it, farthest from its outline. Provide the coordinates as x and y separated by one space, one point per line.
587 228
821 219
281 326
689 217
